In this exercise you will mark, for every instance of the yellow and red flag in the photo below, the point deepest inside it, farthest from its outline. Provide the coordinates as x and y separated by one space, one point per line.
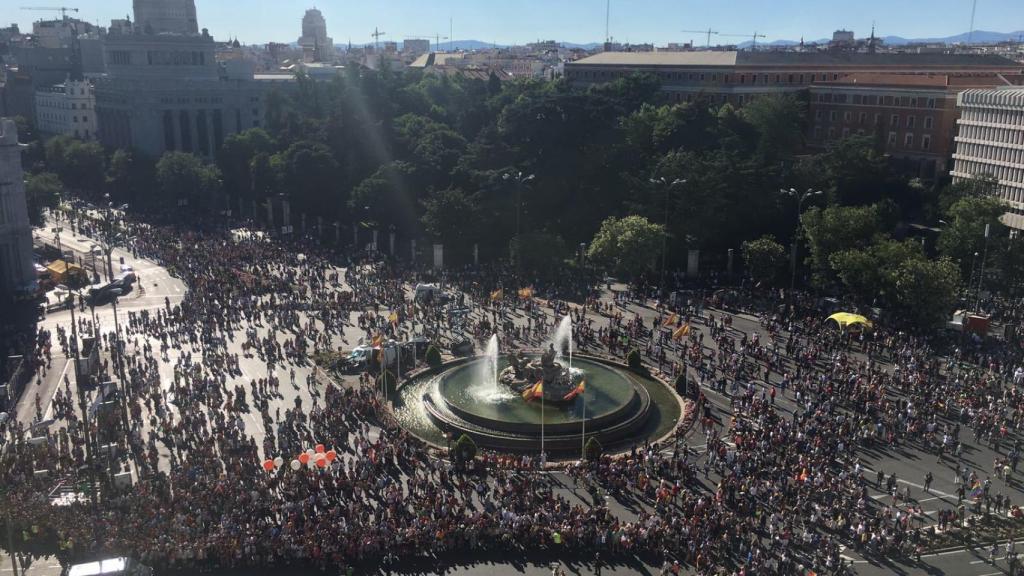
497 295
535 391
682 332
526 293
672 319
393 318
377 340
579 389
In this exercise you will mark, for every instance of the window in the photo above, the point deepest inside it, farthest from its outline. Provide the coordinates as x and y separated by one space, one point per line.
862 118
846 132
817 132
928 122
74 119
72 105
831 133
892 137
878 119
832 116
931 102
817 114
908 140
846 116
910 121
926 142
894 120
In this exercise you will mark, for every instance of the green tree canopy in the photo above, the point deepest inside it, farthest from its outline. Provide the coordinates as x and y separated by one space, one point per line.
629 245
42 190
183 177
764 258
830 230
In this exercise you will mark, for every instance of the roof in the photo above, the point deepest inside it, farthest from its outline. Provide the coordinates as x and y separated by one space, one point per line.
890 80
706 58
779 58
1008 97
435 59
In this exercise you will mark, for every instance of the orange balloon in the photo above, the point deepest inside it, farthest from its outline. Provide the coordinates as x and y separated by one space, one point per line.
319 448
304 458
321 462
268 465
331 455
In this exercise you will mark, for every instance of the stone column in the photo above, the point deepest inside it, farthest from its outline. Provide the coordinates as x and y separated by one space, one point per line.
176 126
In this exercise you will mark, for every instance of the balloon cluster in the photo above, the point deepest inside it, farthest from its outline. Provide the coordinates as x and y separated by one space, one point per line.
318 457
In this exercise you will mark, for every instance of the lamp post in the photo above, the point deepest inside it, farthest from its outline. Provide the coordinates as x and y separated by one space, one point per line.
800 199
520 180
664 236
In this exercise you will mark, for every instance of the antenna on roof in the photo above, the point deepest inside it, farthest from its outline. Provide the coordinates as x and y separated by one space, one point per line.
607 21
970 32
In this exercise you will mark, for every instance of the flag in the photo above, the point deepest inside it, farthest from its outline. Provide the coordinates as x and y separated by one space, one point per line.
377 340
526 293
682 332
534 391
393 318
672 319
497 295
579 389
977 490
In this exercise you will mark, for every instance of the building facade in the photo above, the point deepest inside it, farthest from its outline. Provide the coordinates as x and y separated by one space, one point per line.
16 271
990 144
734 77
166 16
166 92
316 45
68 109
415 46
912 116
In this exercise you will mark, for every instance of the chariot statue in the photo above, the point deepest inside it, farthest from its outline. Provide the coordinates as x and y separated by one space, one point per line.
522 373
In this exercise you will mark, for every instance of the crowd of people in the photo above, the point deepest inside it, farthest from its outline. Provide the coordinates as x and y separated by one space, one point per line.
772 479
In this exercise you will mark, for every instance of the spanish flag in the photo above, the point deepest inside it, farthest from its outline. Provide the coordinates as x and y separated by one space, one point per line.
377 340
534 391
672 319
497 295
393 318
579 389
526 293
682 332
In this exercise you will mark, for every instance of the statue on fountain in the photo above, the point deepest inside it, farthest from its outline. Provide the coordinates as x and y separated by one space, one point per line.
522 373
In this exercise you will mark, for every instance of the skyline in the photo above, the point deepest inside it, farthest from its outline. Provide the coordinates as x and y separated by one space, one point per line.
576 21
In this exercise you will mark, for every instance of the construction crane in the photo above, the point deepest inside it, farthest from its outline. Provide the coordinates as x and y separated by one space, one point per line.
437 39
62 9
755 36
376 39
709 32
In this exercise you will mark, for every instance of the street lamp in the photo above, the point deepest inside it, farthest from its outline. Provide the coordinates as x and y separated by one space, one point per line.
520 180
800 199
664 236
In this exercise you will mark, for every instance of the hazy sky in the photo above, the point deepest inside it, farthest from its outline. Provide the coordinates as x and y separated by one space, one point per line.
521 21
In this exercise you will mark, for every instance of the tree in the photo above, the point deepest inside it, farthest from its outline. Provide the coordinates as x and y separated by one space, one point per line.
964 234
42 190
764 258
779 121
870 273
629 245
235 159
183 179
432 357
634 361
128 175
829 230
451 216
593 449
927 290
80 165
539 254
308 171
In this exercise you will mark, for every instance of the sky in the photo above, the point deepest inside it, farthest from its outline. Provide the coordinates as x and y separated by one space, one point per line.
580 21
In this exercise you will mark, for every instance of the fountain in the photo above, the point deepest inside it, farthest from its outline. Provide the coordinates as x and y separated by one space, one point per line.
484 398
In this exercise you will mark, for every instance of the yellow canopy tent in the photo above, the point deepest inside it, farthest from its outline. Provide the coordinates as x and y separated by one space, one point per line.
846 319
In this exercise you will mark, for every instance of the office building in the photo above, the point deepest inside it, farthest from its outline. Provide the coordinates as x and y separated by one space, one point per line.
416 46
68 108
990 144
165 16
316 45
16 271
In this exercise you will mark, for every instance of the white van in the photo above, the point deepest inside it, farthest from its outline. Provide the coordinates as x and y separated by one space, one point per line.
110 567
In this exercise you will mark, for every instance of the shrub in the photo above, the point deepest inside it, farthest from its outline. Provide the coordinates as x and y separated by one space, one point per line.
465 449
634 361
390 381
433 357
593 449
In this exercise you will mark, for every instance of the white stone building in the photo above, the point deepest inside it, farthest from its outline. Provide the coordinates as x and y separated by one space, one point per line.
16 270
316 45
990 143
68 108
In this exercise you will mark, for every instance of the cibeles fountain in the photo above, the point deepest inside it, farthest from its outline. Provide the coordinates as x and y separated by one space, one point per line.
522 400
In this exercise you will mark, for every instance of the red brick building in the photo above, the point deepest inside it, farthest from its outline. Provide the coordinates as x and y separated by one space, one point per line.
912 115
